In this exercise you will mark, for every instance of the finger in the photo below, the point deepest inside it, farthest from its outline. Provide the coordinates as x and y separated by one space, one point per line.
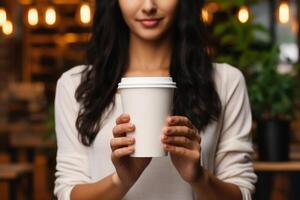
179 141
121 129
123 118
179 131
179 121
198 137
116 143
181 151
121 152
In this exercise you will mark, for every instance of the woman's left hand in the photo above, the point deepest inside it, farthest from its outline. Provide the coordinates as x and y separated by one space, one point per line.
181 140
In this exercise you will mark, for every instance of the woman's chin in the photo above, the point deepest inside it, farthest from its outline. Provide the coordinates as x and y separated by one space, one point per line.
148 35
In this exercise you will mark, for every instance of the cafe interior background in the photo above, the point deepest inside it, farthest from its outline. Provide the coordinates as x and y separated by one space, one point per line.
40 39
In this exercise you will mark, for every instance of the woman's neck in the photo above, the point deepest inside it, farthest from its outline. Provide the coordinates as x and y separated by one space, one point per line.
148 57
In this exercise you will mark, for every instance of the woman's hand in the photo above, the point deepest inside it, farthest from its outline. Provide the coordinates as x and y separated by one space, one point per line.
128 168
181 140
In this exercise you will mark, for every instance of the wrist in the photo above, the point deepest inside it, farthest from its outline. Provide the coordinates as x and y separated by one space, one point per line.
201 177
116 179
118 182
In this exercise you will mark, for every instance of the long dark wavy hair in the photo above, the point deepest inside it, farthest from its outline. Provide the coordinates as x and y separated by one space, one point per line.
107 61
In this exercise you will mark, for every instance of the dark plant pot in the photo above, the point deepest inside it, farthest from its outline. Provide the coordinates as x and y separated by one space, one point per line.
273 140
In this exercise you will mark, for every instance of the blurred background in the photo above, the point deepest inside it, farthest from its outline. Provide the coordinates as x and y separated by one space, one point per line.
40 39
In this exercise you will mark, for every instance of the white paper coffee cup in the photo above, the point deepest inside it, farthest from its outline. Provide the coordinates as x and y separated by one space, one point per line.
148 101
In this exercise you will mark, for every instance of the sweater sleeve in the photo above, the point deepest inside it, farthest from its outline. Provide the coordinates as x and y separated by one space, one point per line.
72 165
233 162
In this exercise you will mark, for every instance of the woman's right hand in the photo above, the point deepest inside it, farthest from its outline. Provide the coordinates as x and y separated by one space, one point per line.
128 168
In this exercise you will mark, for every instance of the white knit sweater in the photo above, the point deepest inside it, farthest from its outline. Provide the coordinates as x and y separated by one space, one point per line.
226 144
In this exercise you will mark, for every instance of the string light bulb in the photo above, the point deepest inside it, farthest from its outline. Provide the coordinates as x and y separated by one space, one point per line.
243 14
205 15
85 13
208 11
284 13
3 16
7 28
50 16
33 16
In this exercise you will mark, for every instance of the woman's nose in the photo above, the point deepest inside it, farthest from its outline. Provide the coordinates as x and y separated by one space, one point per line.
149 7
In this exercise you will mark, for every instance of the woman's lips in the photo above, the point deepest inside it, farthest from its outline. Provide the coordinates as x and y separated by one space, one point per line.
150 23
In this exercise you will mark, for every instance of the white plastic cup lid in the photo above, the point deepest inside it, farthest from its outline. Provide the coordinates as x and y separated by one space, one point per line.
138 82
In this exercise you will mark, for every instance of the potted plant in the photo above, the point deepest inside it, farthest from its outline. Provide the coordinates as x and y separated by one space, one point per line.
273 95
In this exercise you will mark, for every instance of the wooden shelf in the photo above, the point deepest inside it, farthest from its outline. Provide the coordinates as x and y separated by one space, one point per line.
58 38
277 166
13 171
50 51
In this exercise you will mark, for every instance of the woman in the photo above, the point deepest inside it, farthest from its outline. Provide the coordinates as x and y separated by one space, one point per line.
207 136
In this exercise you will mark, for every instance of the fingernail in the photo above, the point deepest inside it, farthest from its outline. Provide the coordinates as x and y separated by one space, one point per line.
165 130
168 131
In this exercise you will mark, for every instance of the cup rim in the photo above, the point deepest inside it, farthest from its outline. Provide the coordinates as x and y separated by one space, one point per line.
152 80
127 86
